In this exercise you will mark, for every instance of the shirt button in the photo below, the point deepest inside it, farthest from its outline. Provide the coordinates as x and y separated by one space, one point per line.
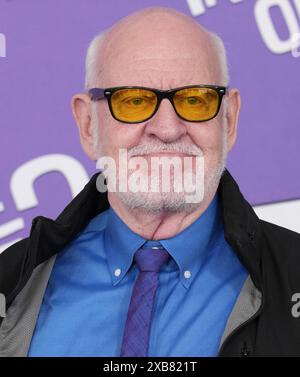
187 274
117 272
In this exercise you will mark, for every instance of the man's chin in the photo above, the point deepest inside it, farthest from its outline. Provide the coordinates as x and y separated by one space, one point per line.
157 202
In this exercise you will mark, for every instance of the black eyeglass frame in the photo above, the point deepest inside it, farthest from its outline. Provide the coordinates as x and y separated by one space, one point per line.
97 94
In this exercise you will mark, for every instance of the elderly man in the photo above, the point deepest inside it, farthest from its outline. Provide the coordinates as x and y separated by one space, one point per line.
129 272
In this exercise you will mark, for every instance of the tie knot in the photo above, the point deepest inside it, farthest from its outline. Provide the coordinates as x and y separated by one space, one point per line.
150 259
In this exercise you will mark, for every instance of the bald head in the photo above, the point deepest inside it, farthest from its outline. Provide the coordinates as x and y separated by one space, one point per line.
160 45
163 49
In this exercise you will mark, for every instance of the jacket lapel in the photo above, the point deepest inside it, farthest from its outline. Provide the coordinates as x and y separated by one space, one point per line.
48 237
26 283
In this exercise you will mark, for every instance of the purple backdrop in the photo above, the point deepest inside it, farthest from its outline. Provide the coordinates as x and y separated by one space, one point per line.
42 52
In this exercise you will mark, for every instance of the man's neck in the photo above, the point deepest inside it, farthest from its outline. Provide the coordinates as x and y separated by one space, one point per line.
157 226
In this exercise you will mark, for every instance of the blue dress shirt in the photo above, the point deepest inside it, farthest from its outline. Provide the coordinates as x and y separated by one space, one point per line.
85 304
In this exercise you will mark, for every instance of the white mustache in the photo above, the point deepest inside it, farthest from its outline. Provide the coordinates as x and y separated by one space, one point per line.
189 149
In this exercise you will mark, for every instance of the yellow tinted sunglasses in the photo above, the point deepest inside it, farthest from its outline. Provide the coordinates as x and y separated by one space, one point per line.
136 104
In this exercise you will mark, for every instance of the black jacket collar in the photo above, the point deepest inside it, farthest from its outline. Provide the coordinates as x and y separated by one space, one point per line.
48 237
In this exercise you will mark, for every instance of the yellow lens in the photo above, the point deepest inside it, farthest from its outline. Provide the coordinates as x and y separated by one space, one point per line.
196 104
133 105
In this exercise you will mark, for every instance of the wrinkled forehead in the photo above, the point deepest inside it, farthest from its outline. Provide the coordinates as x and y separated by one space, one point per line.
161 57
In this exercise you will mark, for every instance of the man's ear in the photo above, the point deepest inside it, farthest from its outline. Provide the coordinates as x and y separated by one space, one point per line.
232 116
81 109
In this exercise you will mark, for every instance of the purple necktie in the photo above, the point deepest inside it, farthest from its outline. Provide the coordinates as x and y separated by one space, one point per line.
137 328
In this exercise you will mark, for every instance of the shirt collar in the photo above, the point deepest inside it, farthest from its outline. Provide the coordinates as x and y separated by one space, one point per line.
188 248
191 247
120 244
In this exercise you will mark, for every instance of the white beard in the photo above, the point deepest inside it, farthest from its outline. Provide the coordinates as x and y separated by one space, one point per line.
171 201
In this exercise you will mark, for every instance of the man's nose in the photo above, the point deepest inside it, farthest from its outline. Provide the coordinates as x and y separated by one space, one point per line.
165 124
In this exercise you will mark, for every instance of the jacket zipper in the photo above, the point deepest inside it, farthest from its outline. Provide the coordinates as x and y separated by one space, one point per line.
244 350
